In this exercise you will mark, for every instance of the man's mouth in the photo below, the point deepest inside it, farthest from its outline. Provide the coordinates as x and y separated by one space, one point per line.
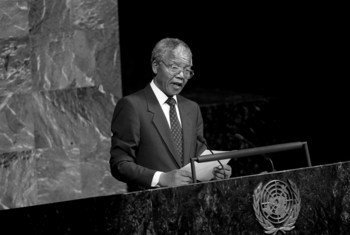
177 84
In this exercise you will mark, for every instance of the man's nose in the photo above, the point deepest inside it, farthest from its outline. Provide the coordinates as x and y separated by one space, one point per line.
181 74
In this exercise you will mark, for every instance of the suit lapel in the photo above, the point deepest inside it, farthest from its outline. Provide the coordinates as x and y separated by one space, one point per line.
160 122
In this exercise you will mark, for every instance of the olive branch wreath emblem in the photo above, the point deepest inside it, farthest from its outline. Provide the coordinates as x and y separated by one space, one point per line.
276 206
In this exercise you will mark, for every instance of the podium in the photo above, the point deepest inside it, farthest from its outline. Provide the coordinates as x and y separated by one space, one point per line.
215 207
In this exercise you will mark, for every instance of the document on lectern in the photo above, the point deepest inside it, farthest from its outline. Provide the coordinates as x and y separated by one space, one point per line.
204 170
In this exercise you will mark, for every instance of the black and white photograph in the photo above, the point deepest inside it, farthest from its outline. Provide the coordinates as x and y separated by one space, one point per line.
173 117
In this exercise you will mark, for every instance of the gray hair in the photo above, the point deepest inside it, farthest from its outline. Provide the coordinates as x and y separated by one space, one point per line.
165 45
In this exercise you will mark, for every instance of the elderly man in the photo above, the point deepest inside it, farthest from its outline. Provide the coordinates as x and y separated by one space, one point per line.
155 130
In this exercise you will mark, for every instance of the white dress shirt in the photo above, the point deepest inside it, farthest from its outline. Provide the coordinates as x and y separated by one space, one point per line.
162 98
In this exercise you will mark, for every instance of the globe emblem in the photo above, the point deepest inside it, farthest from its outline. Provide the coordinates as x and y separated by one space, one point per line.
277 205
277 201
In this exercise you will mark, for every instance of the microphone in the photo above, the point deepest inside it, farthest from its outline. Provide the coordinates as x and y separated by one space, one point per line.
203 141
241 138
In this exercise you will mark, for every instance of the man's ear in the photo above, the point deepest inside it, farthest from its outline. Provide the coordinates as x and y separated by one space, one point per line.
155 67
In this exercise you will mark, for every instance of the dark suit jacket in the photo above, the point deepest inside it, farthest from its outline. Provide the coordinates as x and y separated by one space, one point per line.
141 141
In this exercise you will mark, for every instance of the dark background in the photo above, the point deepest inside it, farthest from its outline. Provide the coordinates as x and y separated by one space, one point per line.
293 52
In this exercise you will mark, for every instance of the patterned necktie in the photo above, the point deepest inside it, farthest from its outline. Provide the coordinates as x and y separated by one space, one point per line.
176 130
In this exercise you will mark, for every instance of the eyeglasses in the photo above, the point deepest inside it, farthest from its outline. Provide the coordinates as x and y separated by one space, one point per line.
174 70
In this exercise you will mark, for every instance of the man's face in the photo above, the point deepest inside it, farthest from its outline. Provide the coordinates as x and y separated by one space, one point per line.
170 82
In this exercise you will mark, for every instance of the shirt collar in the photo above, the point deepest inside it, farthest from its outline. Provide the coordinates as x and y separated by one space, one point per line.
161 97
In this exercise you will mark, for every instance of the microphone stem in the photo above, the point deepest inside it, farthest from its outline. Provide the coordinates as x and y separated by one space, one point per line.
222 166
203 141
271 162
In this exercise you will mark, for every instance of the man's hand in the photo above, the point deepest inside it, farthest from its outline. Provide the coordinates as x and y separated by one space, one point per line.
220 173
175 178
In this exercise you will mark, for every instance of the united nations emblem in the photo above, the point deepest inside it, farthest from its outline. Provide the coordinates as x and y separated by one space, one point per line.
276 205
